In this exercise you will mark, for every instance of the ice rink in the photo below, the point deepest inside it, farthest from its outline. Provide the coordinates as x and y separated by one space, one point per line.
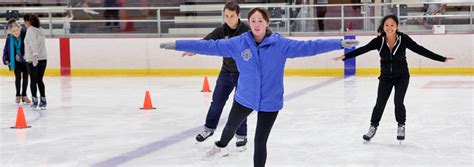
96 121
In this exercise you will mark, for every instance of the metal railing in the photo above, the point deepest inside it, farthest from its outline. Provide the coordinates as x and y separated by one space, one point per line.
370 14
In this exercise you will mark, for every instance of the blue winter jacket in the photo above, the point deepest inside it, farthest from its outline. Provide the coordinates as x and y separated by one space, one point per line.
260 84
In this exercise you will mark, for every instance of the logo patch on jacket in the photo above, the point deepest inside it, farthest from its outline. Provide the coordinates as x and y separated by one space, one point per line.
246 54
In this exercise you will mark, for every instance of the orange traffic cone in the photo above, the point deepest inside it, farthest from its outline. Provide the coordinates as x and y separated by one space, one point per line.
20 120
147 104
205 86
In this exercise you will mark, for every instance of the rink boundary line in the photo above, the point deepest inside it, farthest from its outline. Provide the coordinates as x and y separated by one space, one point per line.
420 71
203 72
171 140
48 72
293 35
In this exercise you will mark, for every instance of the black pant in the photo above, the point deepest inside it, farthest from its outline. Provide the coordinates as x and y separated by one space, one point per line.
19 69
320 13
226 82
36 75
383 93
111 15
265 121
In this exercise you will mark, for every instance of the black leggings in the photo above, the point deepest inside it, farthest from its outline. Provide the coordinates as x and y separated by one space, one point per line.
36 74
265 121
19 69
111 15
383 93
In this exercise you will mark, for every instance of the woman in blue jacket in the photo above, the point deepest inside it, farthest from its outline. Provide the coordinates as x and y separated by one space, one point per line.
13 53
260 57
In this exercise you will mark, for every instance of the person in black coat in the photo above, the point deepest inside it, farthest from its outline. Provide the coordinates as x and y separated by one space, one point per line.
111 14
392 46
228 77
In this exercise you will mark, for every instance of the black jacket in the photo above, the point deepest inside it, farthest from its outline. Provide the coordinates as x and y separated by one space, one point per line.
224 32
393 63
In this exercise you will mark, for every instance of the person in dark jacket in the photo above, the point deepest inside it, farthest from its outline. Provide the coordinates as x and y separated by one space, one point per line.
392 46
13 53
111 14
260 56
227 80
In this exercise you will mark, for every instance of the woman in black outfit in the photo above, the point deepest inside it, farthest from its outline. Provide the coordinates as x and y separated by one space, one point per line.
392 46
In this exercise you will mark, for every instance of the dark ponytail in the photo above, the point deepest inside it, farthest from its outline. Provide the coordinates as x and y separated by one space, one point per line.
33 19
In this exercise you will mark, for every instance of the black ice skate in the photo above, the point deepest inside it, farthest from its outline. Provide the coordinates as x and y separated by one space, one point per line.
204 135
240 143
43 103
34 105
401 133
370 134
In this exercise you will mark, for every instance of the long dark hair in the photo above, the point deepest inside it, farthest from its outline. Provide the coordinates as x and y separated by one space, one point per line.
380 29
33 19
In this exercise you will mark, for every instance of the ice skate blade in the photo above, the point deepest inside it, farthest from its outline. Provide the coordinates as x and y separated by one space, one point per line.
212 157
241 148
400 142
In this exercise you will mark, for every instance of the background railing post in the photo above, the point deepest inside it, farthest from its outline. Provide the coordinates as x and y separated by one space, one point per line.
222 18
342 19
472 16
50 16
158 18
287 11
